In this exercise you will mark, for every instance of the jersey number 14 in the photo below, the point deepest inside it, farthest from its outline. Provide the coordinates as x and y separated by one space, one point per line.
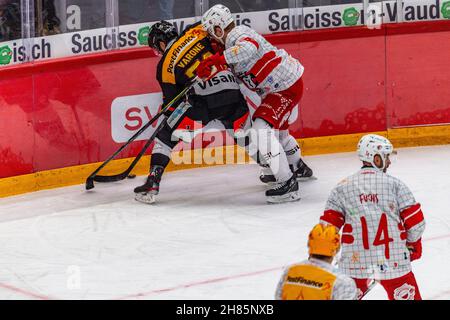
382 236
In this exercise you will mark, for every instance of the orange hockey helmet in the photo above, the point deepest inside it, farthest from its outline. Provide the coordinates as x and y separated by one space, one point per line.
324 240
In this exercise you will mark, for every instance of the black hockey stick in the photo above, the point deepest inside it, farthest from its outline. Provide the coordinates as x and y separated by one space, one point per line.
93 176
124 174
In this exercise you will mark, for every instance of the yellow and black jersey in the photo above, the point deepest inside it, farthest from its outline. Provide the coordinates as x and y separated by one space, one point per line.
178 66
181 59
219 98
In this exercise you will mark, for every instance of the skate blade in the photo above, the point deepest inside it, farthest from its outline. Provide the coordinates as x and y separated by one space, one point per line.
145 198
303 179
290 197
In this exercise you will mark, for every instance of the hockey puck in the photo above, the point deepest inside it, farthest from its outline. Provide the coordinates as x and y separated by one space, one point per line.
131 176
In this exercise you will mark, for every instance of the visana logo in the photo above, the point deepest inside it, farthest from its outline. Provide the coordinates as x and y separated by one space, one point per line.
143 35
350 16
5 55
445 10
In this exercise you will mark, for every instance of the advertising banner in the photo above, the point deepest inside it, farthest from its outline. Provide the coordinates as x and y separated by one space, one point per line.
265 22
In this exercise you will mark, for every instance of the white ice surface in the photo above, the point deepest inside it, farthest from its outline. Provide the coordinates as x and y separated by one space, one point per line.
210 236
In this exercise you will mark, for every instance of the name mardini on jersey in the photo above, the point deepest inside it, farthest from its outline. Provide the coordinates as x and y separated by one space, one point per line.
378 215
261 66
182 58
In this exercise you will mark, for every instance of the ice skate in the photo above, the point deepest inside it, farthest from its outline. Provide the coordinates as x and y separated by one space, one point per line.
284 192
304 172
266 175
147 192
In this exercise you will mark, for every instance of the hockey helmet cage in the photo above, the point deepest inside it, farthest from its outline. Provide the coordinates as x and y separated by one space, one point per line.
217 16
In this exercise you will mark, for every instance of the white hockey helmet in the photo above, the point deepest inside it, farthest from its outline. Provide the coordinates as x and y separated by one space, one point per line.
373 144
217 16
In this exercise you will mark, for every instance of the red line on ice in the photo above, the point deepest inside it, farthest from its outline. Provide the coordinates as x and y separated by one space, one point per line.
183 286
437 238
24 292
440 295
199 283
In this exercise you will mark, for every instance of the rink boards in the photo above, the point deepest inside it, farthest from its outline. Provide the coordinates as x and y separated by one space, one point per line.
58 116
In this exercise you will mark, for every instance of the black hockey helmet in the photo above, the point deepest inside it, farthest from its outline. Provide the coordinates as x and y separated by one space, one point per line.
161 31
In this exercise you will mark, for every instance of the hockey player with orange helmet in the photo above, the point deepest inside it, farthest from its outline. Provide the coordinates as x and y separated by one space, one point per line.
316 278
381 222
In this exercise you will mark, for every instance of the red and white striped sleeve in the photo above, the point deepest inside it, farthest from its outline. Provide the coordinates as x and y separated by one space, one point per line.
334 211
411 213
413 221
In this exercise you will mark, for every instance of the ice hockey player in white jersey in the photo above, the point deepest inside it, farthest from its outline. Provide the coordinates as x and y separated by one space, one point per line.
316 278
277 78
381 223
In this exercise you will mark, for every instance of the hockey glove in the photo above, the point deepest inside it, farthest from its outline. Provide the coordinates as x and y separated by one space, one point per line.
415 249
206 67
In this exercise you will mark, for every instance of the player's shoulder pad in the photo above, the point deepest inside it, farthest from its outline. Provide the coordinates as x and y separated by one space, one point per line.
342 182
191 26
178 49
195 29
395 180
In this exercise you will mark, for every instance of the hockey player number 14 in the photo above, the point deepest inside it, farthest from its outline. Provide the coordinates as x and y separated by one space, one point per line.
382 236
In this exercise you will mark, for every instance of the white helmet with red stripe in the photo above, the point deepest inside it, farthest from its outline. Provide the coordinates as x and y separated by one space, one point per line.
373 144
217 16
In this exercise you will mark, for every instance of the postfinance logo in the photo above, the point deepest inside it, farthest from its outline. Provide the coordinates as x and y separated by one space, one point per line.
5 55
350 16
445 10
143 35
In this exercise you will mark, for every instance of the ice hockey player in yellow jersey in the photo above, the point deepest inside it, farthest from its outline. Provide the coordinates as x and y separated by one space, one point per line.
316 278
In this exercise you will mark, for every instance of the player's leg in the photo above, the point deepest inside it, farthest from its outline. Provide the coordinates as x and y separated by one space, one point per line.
363 287
289 98
293 154
236 124
402 288
160 158
267 118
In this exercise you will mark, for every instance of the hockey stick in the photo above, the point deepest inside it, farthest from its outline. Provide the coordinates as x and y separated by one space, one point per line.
171 120
124 174
369 288
93 176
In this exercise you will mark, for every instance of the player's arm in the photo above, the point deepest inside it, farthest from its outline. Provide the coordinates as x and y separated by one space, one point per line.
244 49
413 220
279 291
334 213
344 289
169 92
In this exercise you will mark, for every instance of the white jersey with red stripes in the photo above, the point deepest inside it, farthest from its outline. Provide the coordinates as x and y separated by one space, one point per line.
378 215
261 66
